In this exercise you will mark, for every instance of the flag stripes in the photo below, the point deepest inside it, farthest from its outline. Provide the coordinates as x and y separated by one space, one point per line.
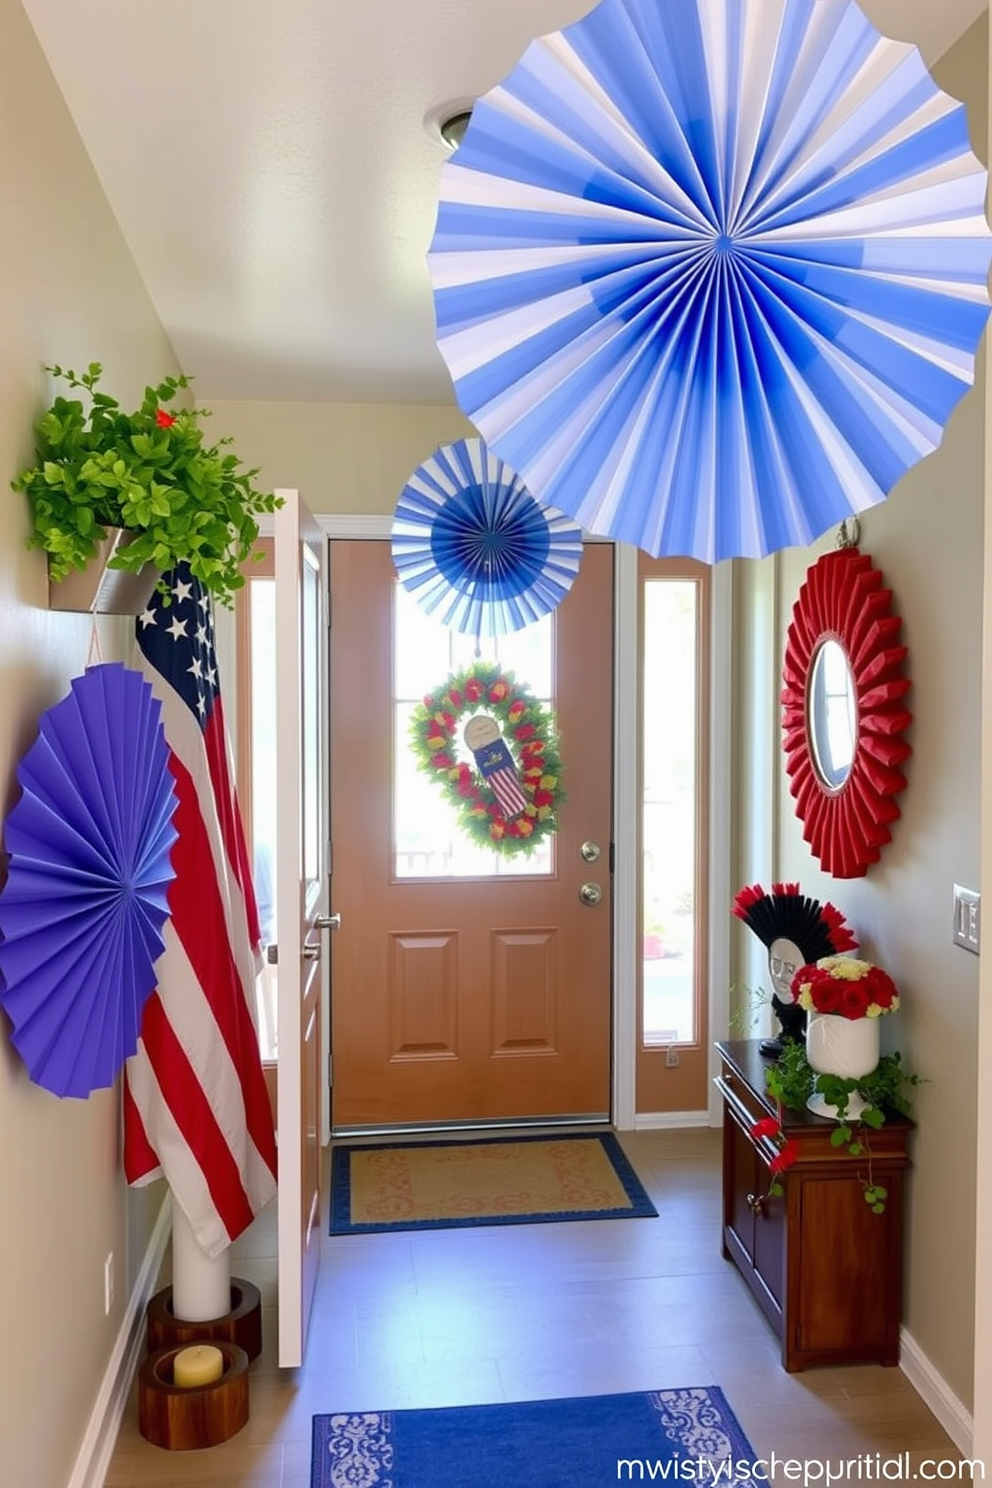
506 788
196 1107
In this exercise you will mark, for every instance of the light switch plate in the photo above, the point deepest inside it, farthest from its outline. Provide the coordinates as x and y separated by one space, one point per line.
967 918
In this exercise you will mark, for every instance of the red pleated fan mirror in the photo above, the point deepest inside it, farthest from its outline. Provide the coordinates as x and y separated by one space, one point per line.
843 713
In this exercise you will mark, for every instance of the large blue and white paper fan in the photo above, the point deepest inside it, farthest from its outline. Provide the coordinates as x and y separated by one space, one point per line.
86 895
710 274
475 549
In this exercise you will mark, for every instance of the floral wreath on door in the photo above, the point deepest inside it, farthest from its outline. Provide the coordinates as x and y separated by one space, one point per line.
508 797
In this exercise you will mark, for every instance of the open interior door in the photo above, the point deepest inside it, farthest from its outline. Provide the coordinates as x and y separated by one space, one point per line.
301 904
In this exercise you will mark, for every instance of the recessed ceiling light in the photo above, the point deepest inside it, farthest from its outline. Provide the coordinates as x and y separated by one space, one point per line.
447 123
453 129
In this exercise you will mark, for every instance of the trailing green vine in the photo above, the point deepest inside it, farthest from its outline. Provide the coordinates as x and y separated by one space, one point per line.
792 1080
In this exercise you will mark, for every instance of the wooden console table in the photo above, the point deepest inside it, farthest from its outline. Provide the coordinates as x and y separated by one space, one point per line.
826 1271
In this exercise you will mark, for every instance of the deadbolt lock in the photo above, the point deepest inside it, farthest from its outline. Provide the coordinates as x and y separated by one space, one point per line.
590 851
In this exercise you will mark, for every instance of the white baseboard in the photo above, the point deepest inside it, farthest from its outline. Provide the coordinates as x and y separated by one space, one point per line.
669 1120
936 1393
97 1448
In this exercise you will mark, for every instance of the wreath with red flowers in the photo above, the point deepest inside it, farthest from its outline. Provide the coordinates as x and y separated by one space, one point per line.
527 728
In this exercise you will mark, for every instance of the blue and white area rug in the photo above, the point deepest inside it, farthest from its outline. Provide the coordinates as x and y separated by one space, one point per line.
674 1436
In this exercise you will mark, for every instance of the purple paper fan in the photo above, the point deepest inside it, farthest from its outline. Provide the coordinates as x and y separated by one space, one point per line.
86 897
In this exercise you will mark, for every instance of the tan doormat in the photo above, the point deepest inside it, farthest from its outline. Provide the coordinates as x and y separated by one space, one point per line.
496 1180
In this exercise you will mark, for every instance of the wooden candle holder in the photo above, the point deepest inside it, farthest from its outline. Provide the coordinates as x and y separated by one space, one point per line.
242 1325
184 1418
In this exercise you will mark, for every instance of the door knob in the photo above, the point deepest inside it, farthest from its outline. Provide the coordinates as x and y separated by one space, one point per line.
328 922
590 851
590 893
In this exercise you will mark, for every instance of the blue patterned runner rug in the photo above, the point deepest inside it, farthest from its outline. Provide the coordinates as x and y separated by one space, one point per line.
674 1436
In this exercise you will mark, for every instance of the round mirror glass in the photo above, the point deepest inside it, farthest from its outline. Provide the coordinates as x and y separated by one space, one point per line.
832 714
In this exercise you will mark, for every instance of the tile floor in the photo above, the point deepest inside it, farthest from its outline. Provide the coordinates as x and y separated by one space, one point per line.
452 1317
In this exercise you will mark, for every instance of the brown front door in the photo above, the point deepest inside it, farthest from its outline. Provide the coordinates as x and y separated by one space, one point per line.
487 998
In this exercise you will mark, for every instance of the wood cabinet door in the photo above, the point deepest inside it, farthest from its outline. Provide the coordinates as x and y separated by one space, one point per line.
738 1178
759 1231
848 1263
770 1237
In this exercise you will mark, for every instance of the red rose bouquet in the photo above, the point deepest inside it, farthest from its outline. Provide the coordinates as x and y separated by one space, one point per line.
846 987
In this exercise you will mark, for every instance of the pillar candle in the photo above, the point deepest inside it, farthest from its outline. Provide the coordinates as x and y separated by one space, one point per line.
200 1364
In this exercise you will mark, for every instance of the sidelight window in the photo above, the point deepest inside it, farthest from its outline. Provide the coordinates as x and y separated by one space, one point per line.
669 808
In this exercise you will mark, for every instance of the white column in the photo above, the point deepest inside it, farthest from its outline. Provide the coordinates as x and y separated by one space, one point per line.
201 1284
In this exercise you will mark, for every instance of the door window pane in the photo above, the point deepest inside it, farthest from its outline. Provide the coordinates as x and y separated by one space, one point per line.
669 752
310 724
428 843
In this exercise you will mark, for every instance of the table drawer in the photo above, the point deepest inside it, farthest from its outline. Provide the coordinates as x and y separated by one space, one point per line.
739 1098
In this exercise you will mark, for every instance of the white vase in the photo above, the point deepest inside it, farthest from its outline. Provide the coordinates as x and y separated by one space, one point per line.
847 1047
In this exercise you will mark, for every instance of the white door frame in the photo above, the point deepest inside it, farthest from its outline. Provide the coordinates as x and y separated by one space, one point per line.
627 835
300 901
626 818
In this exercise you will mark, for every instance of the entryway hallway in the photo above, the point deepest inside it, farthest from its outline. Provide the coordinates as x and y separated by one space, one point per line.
453 1317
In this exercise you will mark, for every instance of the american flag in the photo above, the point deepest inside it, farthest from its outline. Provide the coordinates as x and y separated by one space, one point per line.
196 1108
496 767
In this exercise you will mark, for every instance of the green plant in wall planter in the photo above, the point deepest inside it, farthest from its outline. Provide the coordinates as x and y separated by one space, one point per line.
792 1080
150 473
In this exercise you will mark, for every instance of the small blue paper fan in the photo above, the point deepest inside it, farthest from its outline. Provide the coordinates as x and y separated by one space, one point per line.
475 549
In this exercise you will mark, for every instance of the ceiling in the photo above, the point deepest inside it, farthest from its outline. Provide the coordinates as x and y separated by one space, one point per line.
269 165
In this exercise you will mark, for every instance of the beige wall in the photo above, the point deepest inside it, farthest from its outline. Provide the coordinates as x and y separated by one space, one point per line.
982 1441
341 457
68 293
927 539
